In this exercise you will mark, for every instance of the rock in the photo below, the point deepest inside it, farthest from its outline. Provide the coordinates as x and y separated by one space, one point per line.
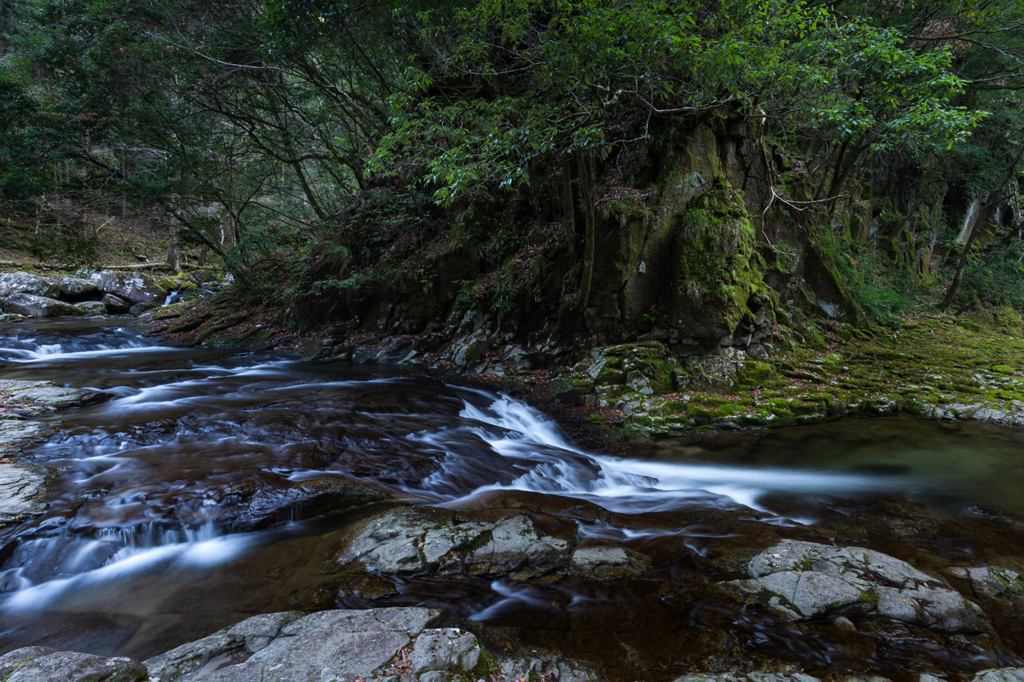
74 287
329 645
418 540
16 433
27 399
22 487
11 661
410 540
515 544
30 305
38 664
93 307
140 308
134 287
247 637
304 500
446 649
24 283
115 304
1000 675
608 562
11 317
747 677
798 580
992 582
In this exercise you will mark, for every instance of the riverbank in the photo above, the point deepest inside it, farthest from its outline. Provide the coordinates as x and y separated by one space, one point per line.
936 366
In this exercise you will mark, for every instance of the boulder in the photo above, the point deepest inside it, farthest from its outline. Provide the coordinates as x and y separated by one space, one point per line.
803 580
31 305
93 307
115 304
75 287
39 664
338 645
25 283
22 488
134 287
418 540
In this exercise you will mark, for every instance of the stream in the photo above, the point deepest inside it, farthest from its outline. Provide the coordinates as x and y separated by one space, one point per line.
141 547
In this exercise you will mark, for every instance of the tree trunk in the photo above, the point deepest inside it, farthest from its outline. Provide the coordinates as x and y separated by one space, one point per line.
587 168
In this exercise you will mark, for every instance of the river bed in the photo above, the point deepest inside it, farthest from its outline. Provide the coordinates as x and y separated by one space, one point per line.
141 547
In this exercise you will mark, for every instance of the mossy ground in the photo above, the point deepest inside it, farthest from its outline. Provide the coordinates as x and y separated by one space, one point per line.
937 366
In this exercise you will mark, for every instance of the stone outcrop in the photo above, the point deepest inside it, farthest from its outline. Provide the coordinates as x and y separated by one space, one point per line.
802 580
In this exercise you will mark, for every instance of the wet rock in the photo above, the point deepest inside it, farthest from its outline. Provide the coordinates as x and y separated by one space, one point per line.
93 307
25 283
11 317
116 304
39 664
1000 675
416 540
31 305
747 677
516 544
608 562
75 287
22 487
799 580
992 582
26 399
304 500
134 287
411 540
339 645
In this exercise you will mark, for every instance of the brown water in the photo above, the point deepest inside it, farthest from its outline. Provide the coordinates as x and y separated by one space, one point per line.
142 547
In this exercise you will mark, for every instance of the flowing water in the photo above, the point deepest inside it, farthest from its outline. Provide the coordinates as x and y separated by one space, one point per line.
140 547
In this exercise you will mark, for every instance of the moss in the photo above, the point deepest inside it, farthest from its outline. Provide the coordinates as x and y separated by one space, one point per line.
754 372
